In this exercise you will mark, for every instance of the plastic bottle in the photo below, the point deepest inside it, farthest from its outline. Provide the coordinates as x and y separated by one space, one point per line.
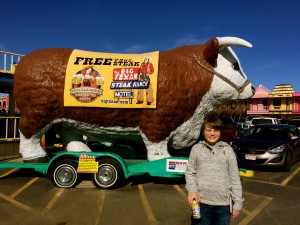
196 209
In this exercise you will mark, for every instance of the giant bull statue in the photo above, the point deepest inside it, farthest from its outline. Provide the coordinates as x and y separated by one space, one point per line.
192 81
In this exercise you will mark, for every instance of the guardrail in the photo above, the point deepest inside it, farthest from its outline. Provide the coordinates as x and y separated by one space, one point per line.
5 61
9 128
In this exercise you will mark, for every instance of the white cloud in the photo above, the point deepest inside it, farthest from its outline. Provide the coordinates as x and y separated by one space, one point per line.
135 49
109 47
188 40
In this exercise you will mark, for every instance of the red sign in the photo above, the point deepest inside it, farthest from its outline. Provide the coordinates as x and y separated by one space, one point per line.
125 74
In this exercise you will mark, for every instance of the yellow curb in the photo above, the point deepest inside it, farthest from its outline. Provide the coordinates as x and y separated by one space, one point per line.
247 173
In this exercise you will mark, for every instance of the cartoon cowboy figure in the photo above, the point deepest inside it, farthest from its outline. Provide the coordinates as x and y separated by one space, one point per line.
145 71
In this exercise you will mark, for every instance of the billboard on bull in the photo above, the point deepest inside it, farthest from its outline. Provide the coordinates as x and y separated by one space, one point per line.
110 80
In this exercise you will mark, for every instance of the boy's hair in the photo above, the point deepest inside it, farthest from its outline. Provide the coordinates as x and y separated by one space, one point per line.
214 121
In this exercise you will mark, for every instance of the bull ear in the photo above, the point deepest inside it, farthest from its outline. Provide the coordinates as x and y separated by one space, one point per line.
232 41
211 50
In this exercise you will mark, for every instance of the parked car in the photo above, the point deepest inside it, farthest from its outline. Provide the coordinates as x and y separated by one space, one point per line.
295 122
243 124
264 120
283 121
249 118
229 130
269 145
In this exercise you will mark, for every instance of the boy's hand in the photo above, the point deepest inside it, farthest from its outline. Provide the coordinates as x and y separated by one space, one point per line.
235 213
193 195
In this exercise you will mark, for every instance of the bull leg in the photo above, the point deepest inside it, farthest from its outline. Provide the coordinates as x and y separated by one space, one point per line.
31 149
77 146
157 151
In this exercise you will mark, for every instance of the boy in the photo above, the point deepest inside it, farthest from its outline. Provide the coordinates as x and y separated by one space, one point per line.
212 176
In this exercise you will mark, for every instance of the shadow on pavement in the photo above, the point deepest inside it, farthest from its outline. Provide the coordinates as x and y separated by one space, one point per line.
157 180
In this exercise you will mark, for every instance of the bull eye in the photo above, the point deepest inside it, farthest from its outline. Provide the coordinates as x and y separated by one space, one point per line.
236 66
215 64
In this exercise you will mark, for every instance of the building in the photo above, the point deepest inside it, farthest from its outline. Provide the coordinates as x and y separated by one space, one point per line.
7 69
4 103
259 103
296 103
282 102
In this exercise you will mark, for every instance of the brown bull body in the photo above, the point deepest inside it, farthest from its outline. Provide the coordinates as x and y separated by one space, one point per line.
39 92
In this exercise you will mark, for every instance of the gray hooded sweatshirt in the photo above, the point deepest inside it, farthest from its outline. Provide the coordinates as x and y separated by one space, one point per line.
212 171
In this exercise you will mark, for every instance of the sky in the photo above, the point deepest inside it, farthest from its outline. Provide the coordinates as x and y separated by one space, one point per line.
271 26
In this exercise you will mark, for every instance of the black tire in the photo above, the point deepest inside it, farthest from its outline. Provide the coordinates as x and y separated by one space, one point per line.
110 174
288 162
64 174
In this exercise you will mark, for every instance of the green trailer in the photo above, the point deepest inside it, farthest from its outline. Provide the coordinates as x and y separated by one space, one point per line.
108 170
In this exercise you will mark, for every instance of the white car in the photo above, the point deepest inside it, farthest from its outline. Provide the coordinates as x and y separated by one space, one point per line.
264 120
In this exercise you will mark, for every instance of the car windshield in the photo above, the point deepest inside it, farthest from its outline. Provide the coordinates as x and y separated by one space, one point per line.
261 121
249 118
267 133
294 122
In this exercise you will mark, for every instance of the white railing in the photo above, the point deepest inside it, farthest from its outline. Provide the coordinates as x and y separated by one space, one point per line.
9 58
9 128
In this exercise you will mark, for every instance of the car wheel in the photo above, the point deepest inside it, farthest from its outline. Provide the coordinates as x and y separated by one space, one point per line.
288 162
110 174
64 174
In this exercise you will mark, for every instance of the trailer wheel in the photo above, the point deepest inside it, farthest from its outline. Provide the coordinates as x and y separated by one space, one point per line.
110 174
64 174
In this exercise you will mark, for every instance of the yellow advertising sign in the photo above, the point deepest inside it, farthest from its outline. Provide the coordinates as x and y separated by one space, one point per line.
87 164
109 80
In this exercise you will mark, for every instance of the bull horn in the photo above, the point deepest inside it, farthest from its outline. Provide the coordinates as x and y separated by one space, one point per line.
232 41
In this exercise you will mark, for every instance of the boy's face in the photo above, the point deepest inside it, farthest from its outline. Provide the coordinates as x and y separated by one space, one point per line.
211 135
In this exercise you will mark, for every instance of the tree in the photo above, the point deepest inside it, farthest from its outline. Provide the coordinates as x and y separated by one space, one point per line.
234 110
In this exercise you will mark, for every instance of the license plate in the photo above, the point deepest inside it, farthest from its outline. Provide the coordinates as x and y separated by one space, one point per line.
250 157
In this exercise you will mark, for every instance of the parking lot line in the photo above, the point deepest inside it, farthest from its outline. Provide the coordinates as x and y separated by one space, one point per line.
53 201
20 190
9 172
99 206
146 204
266 182
255 195
16 203
245 211
255 212
283 183
181 192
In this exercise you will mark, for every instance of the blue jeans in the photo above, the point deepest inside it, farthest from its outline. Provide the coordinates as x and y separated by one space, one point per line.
213 215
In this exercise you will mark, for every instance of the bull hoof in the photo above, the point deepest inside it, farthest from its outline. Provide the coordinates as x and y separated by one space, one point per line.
139 102
44 159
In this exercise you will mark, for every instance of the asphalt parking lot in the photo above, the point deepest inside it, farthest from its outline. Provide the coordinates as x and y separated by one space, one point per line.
29 198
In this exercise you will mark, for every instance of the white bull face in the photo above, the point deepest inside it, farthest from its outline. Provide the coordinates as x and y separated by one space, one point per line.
228 66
